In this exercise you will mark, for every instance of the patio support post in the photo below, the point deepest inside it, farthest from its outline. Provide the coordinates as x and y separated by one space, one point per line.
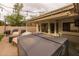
37 28
55 28
40 27
49 27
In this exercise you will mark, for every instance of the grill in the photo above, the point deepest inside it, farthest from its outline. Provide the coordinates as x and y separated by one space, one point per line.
39 44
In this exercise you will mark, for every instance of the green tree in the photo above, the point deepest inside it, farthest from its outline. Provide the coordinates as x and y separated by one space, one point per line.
16 18
1 23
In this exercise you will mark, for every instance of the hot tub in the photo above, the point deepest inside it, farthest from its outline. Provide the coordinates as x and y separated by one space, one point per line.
42 45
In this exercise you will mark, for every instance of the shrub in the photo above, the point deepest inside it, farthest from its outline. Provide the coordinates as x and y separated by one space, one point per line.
1 36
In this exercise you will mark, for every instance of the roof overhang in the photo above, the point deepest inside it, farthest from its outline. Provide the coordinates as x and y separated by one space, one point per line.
54 18
57 14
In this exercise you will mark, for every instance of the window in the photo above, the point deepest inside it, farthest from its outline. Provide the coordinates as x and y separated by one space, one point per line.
52 27
70 27
77 22
44 27
66 26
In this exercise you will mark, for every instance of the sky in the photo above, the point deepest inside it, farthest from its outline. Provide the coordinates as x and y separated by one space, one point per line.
37 8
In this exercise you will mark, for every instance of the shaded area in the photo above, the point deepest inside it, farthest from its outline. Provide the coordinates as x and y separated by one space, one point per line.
73 44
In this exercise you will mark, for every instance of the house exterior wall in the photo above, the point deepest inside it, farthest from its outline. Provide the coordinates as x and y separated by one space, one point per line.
60 28
71 33
31 27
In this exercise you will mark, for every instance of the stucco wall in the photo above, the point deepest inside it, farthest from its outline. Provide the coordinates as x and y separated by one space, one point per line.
11 28
31 28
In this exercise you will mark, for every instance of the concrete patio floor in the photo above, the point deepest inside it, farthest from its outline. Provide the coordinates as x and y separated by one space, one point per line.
7 49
